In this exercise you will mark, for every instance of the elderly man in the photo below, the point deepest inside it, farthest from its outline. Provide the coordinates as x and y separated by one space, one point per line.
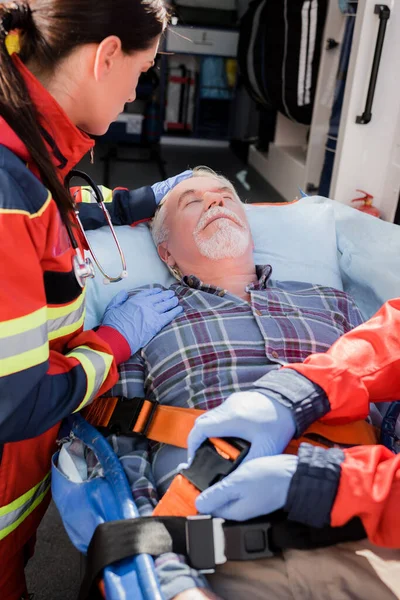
238 325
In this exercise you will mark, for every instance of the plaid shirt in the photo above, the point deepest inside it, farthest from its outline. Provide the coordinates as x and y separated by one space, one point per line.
223 344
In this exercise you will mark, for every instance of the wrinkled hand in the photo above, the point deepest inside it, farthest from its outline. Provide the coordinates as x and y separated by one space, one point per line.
196 594
139 317
267 425
255 488
162 188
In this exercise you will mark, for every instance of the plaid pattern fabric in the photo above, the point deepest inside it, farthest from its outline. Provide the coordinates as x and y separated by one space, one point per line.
221 344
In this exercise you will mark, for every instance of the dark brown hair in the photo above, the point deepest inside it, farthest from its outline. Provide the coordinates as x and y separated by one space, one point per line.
49 31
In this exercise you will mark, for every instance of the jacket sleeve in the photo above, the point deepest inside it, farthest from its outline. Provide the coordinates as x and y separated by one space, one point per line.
126 207
362 366
331 487
39 386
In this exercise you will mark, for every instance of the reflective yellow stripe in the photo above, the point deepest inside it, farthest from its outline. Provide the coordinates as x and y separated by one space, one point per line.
67 329
12 515
107 194
96 366
23 324
15 211
66 319
88 197
66 309
25 360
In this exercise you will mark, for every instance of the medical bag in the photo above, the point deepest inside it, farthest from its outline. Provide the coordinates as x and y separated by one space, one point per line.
279 53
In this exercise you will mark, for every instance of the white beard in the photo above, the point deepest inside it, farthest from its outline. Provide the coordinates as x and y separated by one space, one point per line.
229 241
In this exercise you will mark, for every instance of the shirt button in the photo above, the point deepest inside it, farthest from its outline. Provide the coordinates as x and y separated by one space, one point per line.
221 294
190 281
258 313
274 354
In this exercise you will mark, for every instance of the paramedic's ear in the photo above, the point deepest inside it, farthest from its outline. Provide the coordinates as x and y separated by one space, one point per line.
107 52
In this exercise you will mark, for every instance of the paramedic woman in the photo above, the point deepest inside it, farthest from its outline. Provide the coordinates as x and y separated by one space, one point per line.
78 64
326 487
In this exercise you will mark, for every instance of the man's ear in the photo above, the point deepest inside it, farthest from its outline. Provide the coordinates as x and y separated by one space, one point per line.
106 54
165 255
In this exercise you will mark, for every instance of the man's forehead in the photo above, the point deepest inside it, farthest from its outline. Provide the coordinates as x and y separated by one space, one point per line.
197 184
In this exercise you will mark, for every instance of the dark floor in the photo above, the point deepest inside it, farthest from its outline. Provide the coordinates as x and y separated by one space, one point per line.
53 574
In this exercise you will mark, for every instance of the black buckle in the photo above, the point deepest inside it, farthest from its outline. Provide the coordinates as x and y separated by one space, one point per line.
205 544
249 540
211 541
125 415
209 467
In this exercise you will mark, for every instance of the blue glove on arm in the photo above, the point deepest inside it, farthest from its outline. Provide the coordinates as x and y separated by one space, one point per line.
255 488
266 424
138 318
162 188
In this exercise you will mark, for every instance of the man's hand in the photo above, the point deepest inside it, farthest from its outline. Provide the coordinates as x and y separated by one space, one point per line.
267 425
196 594
256 488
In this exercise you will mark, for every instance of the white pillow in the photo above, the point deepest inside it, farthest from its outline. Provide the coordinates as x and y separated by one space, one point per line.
298 240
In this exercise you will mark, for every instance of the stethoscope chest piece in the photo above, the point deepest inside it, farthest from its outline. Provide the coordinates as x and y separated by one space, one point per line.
83 267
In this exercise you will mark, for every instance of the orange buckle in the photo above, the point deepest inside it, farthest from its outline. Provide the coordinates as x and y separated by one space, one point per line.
210 465
127 412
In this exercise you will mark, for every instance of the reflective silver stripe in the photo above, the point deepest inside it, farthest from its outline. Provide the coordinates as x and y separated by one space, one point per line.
73 317
23 342
22 511
100 368
96 366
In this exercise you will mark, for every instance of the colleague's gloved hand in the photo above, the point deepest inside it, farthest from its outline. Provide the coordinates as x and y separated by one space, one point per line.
162 188
139 317
266 424
255 488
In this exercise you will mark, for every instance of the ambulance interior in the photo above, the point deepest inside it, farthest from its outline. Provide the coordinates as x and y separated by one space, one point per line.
326 131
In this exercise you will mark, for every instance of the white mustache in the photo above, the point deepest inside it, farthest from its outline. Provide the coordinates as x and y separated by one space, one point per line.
217 211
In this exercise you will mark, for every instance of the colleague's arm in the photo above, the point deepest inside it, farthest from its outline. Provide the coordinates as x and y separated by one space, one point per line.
363 366
330 487
126 207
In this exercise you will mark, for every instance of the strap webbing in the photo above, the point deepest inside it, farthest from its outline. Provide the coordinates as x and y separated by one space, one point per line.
117 540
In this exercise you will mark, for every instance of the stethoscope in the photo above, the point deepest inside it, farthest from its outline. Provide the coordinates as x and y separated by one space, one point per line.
83 267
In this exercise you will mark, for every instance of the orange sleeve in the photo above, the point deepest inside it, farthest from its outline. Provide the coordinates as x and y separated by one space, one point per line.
363 366
369 488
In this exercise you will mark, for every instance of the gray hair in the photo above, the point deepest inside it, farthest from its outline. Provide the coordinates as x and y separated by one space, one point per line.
159 230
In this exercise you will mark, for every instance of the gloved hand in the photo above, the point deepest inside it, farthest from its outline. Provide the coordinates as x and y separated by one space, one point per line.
139 317
266 424
162 188
255 488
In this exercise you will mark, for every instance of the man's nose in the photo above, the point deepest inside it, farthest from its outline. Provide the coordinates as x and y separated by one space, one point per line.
212 199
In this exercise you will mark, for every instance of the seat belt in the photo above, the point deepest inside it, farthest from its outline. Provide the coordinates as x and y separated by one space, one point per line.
206 541
217 457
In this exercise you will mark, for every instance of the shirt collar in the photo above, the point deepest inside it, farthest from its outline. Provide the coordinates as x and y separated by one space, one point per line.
66 143
263 274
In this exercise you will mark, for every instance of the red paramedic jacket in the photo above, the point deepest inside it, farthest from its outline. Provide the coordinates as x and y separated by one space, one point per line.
363 366
49 366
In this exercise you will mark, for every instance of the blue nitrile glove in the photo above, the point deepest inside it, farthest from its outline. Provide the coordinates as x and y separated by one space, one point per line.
255 488
162 188
139 317
266 424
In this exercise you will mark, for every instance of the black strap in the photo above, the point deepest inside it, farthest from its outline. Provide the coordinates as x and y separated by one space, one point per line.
263 537
117 540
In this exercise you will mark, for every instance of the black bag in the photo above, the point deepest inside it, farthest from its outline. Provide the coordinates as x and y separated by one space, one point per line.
279 53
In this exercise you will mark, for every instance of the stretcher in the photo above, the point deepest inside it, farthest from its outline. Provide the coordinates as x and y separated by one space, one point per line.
96 503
